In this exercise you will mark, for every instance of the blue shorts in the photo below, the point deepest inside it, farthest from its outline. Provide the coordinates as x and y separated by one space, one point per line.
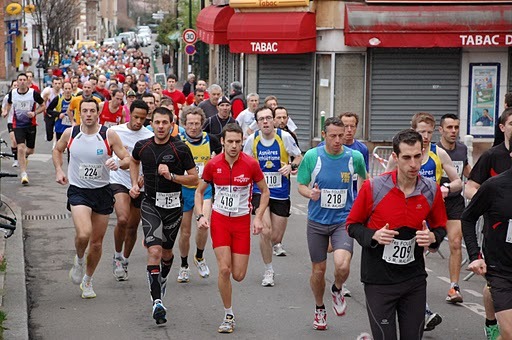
188 197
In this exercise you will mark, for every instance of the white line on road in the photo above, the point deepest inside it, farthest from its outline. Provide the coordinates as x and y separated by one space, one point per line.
297 211
472 292
474 307
445 279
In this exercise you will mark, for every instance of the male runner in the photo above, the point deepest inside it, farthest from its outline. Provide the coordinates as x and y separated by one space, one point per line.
164 162
272 148
90 198
233 174
127 208
112 111
203 146
325 178
48 94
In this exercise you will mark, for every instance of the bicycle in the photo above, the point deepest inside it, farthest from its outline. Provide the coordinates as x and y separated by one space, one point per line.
7 228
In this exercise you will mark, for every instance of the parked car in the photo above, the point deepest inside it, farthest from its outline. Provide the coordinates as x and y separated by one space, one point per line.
111 42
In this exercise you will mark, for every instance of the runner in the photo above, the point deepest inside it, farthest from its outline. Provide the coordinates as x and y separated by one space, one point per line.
164 162
454 202
74 108
26 104
90 198
127 208
58 108
215 124
388 219
232 173
273 148
330 200
9 115
48 94
112 111
203 147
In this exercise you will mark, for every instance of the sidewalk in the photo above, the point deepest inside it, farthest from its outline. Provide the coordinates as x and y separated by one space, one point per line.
13 282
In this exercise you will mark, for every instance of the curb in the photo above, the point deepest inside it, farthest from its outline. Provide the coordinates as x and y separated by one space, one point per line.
14 301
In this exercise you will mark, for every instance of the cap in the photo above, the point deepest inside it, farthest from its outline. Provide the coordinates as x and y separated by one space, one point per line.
224 99
131 93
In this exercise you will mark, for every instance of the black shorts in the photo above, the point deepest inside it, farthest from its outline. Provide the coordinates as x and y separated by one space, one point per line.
160 226
454 207
9 127
100 200
26 135
121 189
278 207
500 289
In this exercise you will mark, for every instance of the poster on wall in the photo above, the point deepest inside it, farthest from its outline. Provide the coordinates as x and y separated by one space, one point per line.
484 82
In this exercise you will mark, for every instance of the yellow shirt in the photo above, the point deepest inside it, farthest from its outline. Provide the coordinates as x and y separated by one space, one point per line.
74 107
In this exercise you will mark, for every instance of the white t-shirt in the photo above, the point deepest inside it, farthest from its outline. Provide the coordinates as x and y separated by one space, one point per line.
128 138
10 114
289 144
245 119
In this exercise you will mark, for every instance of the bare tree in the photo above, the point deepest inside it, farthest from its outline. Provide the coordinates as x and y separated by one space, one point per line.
56 20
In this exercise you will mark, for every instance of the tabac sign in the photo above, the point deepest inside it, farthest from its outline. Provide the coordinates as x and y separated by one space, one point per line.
460 2
267 3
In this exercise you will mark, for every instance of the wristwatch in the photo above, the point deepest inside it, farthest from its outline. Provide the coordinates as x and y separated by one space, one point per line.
447 185
199 217
294 166
173 177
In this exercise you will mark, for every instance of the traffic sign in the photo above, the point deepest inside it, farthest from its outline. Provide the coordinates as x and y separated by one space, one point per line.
189 36
190 49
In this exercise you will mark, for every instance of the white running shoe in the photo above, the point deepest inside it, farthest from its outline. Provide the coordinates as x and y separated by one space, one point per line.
432 320
364 336
87 291
228 325
159 312
202 268
320 322
77 271
339 306
15 164
268 279
118 269
345 291
278 250
184 275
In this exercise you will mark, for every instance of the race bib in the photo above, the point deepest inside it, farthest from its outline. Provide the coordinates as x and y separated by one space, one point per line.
333 198
459 167
200 168
89 171
168 200
228 201
108 124
66 121
399 251
509 232
273 179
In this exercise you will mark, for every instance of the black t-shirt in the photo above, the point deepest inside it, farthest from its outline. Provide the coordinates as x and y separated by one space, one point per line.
491 163
175 154
214 125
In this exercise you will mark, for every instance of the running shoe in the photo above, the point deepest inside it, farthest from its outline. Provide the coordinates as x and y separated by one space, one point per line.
202 267
184 275
492 332
432 320
118 270
454 295
228 325
163 286
320 322
124 263
87 291
279 250
345 291
24 179
364 336
159 312
77 271
268 279
339 306
15 164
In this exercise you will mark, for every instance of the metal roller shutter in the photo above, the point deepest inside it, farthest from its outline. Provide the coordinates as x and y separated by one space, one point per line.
289 77
406 81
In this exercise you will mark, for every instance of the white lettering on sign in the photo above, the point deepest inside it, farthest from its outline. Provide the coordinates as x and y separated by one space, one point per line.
485 40
264 46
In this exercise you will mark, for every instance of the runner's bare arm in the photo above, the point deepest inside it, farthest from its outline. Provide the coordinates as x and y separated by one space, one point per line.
117 146
198 203
58 150
451 171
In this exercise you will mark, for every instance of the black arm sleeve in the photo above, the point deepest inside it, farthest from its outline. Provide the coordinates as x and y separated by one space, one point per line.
37 98
439 233
215 144
50 110
362 235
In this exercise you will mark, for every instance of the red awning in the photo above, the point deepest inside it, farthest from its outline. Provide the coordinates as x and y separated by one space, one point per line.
428 26
212 24
272 33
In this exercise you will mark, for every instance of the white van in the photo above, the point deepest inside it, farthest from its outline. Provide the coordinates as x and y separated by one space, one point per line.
129 37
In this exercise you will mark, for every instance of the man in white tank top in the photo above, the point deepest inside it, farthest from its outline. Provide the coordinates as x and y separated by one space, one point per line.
90 198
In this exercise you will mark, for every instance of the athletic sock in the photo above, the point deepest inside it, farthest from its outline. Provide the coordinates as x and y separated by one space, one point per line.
154 282
454 284
199 254
335 289
118 255
320 307
489 323
87 278
184 262
79 260
268 266
228 311
166 267
15 153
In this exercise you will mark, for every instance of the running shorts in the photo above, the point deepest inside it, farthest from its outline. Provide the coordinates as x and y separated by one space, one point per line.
121 189
100 200
501 292
233 232
26 135
188 197
160 226
454 207
318 239
277 207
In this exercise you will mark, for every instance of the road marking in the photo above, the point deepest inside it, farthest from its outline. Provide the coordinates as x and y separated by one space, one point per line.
445 279
474 307
428 270
472 292
40 157
297 211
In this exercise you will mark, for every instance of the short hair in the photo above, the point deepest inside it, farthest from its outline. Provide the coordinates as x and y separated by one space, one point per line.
350 114
90 100
422 117
113 81
231 127
236 85
26 74
253 95
214 87
192 110
93 78
508 99
67 82
139 104
336 121
261 108
407 136
166 101
505 114
267 98
164 111
13 81
22 75
147 95
198 90
448 116
172 76
116 91
281 108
